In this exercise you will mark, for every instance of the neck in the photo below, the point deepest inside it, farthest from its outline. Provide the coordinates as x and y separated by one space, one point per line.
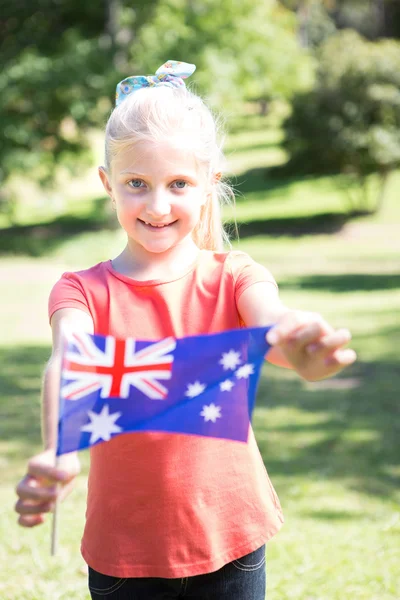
136 262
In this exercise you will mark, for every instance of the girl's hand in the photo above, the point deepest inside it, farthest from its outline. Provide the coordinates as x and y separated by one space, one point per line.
39 489
313 348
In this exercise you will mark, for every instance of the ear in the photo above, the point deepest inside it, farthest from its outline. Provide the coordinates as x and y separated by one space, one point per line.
106 182
217 177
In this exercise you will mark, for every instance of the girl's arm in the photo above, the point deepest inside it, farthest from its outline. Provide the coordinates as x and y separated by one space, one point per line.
300 340
38 489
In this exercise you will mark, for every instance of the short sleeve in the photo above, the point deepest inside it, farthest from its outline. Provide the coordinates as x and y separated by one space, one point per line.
246 272
68 292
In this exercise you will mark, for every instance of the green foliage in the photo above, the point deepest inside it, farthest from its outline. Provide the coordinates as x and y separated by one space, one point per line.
62 59
60 62
46 104
350 121
320 25
243 49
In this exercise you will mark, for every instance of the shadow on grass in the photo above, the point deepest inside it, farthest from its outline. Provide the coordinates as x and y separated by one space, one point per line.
42 238
231 151
343 282
264 179
20 383
257 180
348 427
349 432
252 122
297 226
330 515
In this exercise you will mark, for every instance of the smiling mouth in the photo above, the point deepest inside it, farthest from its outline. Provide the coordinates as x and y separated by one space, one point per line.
150 225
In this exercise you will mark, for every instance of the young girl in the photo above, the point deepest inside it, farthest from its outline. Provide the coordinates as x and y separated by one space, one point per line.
172 516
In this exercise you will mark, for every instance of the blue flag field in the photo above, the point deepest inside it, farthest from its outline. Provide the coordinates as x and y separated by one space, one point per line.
200 385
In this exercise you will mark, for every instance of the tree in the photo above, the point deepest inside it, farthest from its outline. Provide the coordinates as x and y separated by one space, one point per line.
60 63
314 20
373 19
62 59
243 49
350 121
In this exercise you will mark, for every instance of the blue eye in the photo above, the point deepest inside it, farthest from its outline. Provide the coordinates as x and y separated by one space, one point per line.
136 183
180 184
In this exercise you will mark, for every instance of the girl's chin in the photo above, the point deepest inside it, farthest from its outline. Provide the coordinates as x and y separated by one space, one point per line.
158 247
160 244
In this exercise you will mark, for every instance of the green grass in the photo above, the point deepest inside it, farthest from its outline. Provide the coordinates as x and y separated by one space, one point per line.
331 448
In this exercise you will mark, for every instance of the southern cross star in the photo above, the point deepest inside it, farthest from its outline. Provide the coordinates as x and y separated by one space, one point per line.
102 425
194 389
244 371
211 412
230 360
226 386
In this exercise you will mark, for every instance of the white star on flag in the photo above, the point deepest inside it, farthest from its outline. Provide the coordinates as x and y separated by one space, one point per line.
211 412
244 371
230 360
194 389
102 425
226 386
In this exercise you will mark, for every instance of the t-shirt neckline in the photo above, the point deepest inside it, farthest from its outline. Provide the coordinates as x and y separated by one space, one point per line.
136 282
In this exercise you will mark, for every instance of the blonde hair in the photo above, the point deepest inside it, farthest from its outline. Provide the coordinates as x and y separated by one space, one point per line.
155 114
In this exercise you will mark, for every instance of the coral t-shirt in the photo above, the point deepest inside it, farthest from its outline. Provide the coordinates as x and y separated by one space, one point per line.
161 504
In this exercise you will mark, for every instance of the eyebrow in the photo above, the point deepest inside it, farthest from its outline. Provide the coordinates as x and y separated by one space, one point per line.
127 171
170 176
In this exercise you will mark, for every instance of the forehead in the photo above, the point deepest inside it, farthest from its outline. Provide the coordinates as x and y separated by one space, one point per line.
157 158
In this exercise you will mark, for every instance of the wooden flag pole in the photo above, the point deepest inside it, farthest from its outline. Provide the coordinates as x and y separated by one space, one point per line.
54 524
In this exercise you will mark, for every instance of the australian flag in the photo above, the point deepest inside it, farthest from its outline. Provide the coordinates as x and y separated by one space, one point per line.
200 385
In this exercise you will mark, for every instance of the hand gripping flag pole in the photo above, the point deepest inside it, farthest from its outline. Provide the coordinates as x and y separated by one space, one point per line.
201 385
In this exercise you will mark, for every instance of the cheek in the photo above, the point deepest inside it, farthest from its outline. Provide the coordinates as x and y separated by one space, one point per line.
128 201
191 209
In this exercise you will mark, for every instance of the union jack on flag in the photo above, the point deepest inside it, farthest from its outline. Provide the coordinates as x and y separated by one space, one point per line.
200 385
115 368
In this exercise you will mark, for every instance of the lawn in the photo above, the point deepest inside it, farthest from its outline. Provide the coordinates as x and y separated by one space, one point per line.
332 448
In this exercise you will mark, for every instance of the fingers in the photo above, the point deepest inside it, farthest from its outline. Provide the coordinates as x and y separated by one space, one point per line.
297 327
42 485
29 488
330 348
328 343
310 345
30 520
42 467
34 500
341 358
32 508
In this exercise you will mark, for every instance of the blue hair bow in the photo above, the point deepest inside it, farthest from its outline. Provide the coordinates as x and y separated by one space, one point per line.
172 73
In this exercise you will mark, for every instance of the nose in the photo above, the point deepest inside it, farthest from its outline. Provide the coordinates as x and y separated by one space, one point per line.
158 204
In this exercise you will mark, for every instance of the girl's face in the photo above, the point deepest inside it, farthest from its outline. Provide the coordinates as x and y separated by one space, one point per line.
158 193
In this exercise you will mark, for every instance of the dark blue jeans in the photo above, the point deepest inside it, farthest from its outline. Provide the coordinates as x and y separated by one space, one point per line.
242 579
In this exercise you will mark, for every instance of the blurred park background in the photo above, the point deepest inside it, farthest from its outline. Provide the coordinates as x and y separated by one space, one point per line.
309 92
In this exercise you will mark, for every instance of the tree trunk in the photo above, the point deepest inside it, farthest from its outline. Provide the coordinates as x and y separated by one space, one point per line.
379 6
112 21
302 18
384 177
263 107
118 49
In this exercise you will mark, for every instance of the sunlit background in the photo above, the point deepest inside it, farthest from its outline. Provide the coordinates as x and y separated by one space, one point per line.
308 94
